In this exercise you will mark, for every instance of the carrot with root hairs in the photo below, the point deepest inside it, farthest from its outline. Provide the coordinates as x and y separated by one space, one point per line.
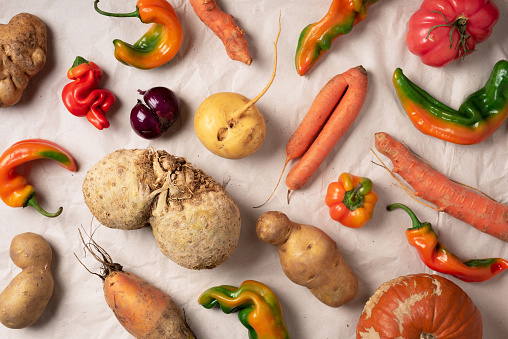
224 27
332 112
457 200
143 309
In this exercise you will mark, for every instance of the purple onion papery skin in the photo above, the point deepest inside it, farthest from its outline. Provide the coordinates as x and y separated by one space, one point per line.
164 103
144 122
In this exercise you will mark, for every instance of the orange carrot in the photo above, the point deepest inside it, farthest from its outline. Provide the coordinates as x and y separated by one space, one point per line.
144 310
341 97
449 196
225 28
346 106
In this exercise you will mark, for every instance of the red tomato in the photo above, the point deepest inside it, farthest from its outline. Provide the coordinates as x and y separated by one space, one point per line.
445 30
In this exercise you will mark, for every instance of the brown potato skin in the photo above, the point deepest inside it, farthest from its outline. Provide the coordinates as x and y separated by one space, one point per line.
23 50
309 257
23 301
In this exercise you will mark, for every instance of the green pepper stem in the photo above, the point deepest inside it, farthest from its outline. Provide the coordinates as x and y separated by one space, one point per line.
123 15
355 192
416 223
460 24
33 202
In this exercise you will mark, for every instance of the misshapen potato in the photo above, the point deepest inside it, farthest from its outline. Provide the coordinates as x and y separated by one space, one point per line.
194 220
309 257
25 298
23 49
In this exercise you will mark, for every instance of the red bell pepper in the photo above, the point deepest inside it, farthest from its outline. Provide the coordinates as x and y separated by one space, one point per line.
82 98
441 31
14 189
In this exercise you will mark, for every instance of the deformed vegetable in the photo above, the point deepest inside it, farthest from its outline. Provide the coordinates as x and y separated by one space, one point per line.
143 309
317 38
159 111
82 98
457 200
309 257
480 115
231 126
441 31
224 27
14 188
435 255
159 44
420 306
194 220
331 114
24 300
23 50
258 308
351 200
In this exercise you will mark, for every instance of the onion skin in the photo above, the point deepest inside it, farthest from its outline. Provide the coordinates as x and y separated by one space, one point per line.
159 111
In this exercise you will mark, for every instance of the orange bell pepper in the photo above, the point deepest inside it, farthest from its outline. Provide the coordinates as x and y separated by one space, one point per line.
351 200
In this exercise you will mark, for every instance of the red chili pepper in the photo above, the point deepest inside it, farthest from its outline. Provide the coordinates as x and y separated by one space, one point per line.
14 190
82 98
435 255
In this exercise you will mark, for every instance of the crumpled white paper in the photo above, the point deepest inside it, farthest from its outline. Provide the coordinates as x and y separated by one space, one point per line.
377 252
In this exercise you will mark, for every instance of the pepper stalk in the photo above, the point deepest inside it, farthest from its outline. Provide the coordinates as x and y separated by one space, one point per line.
435 255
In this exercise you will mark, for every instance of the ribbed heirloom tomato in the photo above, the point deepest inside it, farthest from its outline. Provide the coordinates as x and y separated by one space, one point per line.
441 31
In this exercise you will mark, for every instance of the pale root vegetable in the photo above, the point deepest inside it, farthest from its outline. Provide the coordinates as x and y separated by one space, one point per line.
118 189
225 133
309 257
24 300
194 220
230 125
143 309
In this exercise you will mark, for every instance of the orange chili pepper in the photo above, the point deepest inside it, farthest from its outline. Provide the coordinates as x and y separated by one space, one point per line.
435 255
157 46
351 200
14 189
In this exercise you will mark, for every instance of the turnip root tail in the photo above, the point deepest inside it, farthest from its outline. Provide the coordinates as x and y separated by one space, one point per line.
241 110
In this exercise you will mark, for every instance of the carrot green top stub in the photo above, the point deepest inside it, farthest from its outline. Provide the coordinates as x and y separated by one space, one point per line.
477 118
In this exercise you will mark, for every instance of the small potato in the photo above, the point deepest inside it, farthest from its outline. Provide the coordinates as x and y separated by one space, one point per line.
309 257
27 295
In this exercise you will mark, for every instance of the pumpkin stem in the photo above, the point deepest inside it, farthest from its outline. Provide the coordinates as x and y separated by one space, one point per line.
428 336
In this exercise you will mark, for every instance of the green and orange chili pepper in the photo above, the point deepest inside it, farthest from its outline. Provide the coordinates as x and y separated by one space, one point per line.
258 308
14 188
317 38
159 44
351 200
82 98
435 255
477 118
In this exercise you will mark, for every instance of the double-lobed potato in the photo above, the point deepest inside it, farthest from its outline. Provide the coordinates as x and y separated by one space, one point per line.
27 295
309 257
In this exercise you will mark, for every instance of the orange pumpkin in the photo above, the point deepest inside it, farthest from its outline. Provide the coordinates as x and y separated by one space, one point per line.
419 306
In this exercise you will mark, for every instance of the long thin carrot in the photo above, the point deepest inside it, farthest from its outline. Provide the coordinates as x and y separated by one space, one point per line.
344 114
225 28
460 202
